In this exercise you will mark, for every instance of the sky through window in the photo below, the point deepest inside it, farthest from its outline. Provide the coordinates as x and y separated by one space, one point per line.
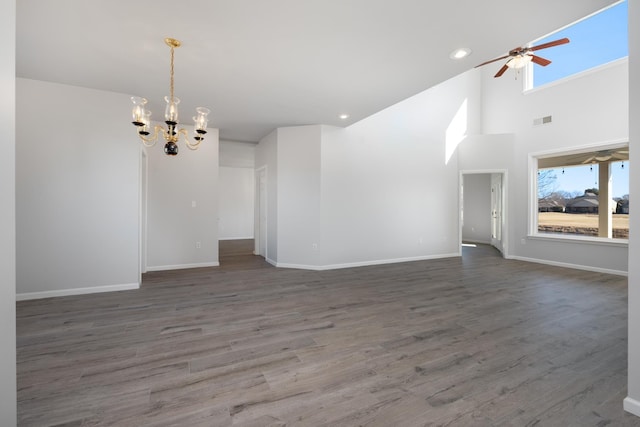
596 40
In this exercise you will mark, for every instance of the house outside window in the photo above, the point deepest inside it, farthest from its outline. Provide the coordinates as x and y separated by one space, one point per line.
583 195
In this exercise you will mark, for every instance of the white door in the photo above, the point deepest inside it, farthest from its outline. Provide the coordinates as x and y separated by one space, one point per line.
496 210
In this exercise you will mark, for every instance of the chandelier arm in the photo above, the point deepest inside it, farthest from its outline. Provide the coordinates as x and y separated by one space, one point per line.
151 141
147 144
185 135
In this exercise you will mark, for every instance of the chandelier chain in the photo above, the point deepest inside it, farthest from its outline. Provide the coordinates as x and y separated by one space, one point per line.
171 82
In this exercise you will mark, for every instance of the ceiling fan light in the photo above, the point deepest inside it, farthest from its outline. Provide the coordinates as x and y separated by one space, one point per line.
519 61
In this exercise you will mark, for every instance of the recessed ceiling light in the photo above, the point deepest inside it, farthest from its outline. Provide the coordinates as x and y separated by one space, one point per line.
460 53
344 116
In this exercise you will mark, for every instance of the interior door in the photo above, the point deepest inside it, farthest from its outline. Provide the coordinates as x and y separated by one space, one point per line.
496 210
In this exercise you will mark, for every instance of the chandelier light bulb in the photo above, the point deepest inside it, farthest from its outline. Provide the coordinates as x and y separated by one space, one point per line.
138 111
171 111
201 121
146 120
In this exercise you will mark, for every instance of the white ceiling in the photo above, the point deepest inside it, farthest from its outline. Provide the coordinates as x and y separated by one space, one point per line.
263 64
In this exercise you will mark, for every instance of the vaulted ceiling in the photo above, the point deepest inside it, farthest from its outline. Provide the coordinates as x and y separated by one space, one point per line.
263 64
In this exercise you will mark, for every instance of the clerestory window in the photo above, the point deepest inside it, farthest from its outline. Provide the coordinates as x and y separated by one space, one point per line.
594 41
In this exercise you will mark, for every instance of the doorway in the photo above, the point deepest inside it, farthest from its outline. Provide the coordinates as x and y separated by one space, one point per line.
260 218
142 221
496 211
482 208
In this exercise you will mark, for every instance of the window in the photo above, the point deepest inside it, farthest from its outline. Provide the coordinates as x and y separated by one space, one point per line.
595 40
572 188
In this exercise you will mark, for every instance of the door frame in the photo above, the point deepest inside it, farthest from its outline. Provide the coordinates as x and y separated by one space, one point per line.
142 217
258 233
504 229
496 242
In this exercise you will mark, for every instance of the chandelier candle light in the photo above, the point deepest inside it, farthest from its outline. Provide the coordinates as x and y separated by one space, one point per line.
142 118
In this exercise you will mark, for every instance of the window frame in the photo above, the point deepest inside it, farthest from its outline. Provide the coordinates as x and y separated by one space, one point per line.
527 81
528 71
532 217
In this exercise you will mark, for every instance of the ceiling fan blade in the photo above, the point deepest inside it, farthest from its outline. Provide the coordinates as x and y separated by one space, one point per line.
540 61
550 44
603 158
501 72
493 60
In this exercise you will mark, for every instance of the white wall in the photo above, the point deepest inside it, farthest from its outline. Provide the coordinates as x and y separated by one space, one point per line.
267 157
586 110
7 216
386 187
486 152
235 154
476 225
77 166
182 206
390 181
299 196
632 403
236 199
237 190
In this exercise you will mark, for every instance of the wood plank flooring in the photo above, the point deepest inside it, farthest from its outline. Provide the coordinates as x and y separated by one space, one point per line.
470 341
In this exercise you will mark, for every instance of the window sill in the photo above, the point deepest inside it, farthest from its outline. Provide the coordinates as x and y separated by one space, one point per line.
620 243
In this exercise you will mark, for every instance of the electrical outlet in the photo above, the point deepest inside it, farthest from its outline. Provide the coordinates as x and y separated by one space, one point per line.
198 245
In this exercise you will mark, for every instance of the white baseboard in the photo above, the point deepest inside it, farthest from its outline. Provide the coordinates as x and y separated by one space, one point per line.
236 238
76 291
568 265
632 406
270 261
182 266
481 242
364 263
297 266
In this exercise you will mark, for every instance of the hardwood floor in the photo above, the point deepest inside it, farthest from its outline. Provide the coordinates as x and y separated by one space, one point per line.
471 341
238 255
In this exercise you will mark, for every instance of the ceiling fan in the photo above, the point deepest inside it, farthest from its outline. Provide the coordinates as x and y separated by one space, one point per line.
521 56
606 155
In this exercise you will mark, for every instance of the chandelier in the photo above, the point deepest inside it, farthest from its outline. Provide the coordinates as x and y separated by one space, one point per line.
142 118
